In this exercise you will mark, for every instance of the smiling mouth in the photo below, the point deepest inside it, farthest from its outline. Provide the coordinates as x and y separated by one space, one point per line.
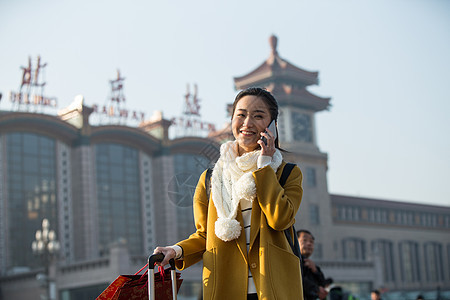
247 133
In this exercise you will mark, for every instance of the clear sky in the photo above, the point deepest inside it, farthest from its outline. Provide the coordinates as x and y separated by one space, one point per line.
384 63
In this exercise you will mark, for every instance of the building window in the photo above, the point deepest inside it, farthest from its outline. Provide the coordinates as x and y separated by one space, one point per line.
371 214
318 251
398 217
118 193
341 212
354 249
434 220
429 220
446 221
31 169
410 219
311 177
433 262
384 250
409 261
423 220
384 215
356 214
378 214
350 213
314 217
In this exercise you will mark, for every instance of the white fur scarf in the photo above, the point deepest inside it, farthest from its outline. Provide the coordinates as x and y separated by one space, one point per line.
232 181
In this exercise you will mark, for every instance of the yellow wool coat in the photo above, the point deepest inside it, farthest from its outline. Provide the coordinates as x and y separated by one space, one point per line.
274 267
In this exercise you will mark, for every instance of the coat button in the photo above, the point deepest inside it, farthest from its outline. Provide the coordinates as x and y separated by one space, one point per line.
253 266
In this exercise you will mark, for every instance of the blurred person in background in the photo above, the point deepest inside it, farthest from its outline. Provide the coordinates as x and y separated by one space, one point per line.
313 279
375 295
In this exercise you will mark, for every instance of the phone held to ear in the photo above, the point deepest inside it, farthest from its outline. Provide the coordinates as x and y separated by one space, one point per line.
272 127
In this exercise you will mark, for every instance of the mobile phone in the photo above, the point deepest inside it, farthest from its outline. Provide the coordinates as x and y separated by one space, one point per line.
272 127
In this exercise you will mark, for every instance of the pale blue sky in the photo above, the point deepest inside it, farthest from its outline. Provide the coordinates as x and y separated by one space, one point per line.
384 63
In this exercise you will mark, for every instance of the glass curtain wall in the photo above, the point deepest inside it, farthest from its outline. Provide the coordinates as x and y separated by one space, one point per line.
119 197
31 177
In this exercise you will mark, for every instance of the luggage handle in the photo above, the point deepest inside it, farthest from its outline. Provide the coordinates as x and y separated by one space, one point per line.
159 257
151 275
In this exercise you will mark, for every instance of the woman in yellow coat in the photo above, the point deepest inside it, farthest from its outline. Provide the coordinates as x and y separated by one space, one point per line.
240 227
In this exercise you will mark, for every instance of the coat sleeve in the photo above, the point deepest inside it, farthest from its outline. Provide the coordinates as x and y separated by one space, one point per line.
279 203
195 245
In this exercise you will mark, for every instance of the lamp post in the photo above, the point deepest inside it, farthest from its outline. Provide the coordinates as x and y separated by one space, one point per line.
46 246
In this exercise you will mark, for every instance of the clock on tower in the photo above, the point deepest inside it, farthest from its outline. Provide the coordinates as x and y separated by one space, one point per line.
301 127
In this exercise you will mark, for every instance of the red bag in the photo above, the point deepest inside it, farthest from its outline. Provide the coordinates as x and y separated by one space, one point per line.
127 287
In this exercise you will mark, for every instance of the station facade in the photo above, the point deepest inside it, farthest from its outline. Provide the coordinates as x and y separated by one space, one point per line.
113 192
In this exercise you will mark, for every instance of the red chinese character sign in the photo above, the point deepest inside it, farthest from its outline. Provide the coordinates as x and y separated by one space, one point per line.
114 111
192 103
31 89
190 123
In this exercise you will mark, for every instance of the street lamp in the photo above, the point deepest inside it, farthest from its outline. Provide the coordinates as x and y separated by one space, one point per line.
47 247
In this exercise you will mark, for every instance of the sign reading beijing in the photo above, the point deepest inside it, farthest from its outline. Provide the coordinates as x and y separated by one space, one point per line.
31 91
33 99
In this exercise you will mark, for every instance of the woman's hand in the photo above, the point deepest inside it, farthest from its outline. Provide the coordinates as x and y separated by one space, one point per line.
269 149
168 252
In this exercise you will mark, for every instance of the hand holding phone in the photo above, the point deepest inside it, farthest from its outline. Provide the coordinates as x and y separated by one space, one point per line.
272 127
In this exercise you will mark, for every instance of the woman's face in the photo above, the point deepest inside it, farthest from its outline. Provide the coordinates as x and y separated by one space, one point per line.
250 118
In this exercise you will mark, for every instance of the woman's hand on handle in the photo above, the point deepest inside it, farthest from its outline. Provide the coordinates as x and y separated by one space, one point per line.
168 252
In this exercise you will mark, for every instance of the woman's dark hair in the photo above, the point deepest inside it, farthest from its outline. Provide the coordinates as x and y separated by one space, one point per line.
267 97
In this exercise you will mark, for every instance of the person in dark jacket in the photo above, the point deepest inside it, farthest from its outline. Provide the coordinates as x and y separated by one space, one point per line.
313 278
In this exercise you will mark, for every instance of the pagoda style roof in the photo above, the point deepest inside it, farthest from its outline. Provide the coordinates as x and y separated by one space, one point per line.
291 95
285 81
276 67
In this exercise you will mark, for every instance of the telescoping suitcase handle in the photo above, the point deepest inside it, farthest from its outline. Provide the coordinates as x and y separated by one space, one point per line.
151 275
